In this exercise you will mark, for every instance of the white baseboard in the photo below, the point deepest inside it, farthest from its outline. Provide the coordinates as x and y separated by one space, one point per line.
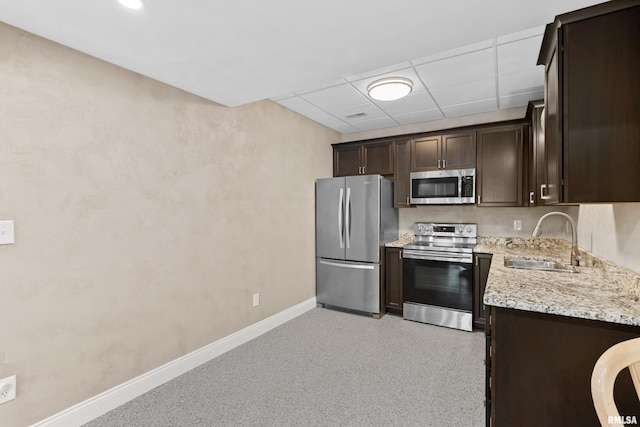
96 406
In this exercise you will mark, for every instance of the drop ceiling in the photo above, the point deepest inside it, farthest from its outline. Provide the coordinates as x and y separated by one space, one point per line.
317 58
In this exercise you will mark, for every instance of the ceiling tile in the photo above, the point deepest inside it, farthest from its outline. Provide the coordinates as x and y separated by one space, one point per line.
371 75
335 97
458 69
314 113
518 55
376 124
470 108
520 99
414 102
418 116
466 92
531 80
454 52
525 34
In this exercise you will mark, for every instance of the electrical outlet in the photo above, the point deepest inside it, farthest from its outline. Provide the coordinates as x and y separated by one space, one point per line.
517 225
7 389
256 300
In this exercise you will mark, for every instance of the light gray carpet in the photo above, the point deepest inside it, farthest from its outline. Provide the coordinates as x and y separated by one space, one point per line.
327 368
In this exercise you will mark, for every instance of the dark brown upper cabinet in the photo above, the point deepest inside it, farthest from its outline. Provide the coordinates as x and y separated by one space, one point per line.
365 158
500 171
449 151
401 188
591 144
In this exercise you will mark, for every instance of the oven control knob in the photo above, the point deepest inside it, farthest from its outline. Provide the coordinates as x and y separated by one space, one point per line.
459 229
468 229
420 228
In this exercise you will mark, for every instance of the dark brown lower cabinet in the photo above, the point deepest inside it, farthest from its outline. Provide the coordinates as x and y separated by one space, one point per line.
481 264
393 282
539 369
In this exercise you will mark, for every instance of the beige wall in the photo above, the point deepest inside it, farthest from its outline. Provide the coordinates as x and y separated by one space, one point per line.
613 232
145 219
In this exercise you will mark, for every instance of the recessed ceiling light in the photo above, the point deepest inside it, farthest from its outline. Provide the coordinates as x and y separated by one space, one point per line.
390 88
132 4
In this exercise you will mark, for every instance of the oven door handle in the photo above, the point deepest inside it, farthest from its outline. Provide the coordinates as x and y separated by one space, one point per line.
419 255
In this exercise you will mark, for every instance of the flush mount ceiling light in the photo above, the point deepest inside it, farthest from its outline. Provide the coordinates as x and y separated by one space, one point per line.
132 4
390 88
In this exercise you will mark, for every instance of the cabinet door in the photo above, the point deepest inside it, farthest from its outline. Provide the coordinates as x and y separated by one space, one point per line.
401 190
393 282
347 160
480 274
500 166
551 182
458 151
425 154
378 158
600 92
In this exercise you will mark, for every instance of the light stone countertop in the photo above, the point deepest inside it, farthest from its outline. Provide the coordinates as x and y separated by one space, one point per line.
600 290
403 239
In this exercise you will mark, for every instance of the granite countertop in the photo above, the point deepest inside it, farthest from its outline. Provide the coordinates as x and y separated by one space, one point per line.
599 290
403 239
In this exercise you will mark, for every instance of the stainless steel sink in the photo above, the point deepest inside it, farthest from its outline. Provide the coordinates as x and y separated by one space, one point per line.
538 264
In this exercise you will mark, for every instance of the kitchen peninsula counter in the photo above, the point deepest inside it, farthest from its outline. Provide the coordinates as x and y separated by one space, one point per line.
599 290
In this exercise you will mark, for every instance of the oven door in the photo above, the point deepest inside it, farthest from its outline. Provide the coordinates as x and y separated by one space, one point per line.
447 284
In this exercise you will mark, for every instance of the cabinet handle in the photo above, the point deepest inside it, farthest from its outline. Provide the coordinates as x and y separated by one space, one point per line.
439 163
359 170
399 254
532 198
444 163
407 200
364 170
478 199
542 196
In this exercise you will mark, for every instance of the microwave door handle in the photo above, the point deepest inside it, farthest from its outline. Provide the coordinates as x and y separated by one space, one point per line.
347 226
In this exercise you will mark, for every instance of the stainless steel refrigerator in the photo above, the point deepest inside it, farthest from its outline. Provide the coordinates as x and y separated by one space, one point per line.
355 217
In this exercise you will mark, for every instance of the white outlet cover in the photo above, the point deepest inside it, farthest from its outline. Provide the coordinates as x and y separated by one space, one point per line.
7 236
7 389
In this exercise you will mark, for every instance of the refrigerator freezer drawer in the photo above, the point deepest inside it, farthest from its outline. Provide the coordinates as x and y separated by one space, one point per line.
351 285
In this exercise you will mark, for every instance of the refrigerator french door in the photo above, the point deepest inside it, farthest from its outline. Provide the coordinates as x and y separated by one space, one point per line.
354 218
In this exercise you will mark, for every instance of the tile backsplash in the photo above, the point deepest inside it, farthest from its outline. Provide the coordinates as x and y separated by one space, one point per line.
611 231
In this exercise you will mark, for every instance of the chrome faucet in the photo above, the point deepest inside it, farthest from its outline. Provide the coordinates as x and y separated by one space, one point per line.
575 254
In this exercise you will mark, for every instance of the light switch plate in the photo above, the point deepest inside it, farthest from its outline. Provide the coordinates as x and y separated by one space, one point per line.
6 233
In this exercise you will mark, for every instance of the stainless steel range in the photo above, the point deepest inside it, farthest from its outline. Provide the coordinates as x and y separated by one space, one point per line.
438 275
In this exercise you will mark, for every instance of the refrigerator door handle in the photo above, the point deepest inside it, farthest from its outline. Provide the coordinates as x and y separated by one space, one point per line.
340 210
354 266
347 226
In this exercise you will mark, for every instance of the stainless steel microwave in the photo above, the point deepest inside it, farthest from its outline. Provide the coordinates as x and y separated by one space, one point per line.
443 187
